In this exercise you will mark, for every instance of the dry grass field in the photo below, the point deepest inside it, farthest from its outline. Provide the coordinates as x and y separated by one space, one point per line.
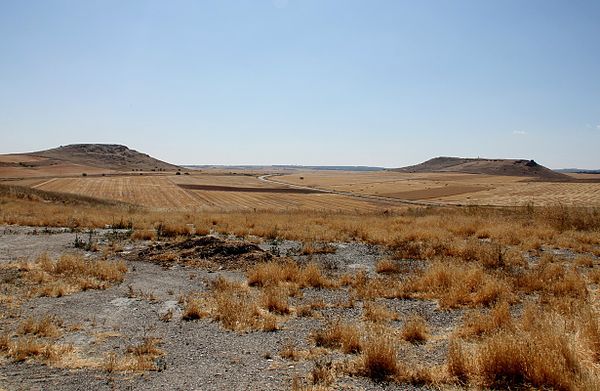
453 188
201 192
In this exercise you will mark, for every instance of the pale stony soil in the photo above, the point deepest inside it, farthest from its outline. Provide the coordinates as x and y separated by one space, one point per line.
199 355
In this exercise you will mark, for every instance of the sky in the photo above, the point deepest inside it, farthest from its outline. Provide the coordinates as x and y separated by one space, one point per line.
315 82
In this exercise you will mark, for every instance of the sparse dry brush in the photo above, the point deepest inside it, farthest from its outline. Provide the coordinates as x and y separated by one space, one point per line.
415 330
338 335
379 358
531 320
66 275
543 349
48 326
378 312
455 284
139 357
387 266
275 273
415 232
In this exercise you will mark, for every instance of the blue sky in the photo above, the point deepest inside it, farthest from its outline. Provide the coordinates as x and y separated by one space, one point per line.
375 82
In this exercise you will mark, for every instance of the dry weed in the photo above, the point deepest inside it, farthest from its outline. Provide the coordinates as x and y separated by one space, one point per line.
338 335
415 330
387 266
379 359
375 312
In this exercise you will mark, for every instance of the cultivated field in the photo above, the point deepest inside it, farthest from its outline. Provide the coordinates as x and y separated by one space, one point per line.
202 192
454 188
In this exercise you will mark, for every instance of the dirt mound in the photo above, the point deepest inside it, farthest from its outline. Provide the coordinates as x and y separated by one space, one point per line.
510 167
110 156
206 252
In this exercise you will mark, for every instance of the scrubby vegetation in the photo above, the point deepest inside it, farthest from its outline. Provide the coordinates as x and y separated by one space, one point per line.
518 285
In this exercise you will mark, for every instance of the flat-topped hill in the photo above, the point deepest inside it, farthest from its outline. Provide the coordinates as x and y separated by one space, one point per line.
79 158
511 167
110 156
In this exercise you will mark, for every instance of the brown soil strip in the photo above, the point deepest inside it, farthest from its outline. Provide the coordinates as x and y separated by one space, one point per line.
247 189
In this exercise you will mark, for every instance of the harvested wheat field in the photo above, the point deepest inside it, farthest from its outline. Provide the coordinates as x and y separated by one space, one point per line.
454 188
202 192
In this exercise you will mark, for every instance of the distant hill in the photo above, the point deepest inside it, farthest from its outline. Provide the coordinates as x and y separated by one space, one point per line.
77 159
511 167
110 156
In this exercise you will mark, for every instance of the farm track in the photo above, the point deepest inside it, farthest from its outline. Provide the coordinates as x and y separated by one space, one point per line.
266 178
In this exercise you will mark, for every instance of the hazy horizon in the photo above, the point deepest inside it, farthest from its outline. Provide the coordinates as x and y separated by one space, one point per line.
355 83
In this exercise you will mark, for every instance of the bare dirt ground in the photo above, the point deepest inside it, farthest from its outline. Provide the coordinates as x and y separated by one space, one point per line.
198 354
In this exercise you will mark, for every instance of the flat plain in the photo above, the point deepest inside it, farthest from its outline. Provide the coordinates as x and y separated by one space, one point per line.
159 278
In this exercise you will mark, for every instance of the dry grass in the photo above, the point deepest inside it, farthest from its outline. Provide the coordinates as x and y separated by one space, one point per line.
31 347
379 359
477 324
584 261
542 349
137 358
172 230
275 273
193 310
415 330
275 299
338 335
312 248
289 352
48 326
323 373
474 258
455 284
430 227
143 234
553 279
237 310
54 278
376 312
387 266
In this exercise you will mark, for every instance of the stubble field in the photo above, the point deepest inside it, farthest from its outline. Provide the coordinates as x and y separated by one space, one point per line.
454 188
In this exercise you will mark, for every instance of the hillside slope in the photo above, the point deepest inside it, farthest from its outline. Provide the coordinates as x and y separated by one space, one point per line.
511 167
110 156
78 158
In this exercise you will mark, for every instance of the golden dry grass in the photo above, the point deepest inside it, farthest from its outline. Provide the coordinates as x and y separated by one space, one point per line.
379 359
415 330
455 284
137 358
58 277
434 229
48 326
275 273
479 258
541 349
338 335
378 312
387 266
